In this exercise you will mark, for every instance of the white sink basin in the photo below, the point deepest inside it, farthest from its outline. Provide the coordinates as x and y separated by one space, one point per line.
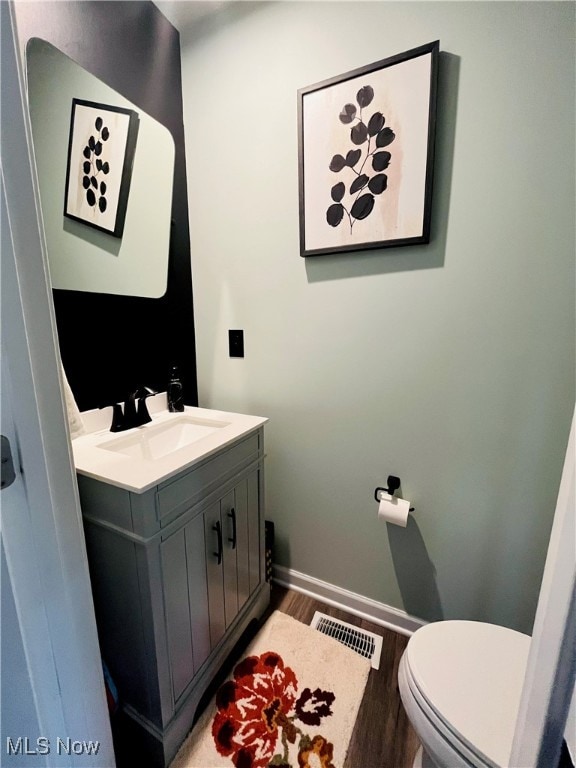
154 442
143 457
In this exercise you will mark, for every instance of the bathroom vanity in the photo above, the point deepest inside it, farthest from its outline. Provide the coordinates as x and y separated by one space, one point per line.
174 523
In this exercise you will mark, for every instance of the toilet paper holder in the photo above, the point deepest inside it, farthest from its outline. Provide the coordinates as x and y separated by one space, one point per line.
393 485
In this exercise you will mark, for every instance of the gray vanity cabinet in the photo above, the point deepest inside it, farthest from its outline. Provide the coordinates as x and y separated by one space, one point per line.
177 573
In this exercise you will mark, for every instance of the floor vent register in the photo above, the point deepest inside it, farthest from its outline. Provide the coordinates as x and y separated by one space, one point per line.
365 643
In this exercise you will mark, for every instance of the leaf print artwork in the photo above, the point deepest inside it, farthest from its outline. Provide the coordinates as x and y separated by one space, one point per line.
101 157
366 142
369 137
258 713
93 166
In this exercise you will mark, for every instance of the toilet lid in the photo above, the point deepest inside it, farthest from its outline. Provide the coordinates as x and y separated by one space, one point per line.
471 675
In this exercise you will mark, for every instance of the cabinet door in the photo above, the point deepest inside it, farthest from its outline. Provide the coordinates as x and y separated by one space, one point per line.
242 542
177 608
241 521
198 591
186 603
214 538
255 532
229 519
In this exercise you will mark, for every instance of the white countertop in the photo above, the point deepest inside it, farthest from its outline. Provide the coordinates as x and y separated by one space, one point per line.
100 454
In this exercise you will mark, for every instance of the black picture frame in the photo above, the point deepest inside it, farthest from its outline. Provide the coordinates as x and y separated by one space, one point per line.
101 149
370 170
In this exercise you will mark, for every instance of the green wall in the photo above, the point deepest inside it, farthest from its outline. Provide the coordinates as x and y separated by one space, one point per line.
451 364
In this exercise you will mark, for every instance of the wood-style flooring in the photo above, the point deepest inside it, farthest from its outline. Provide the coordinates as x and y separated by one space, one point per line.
382 736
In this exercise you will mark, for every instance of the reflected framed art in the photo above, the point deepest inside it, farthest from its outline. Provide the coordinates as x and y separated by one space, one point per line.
99 168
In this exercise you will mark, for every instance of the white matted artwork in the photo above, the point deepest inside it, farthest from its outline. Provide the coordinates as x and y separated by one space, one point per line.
100 158
366 148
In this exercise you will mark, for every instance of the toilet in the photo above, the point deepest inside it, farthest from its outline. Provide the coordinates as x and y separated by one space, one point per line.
460 683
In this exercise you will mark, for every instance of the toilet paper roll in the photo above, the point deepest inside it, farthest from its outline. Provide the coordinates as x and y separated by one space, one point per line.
393 510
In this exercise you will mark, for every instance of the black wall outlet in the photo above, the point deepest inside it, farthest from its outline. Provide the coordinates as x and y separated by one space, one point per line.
236 343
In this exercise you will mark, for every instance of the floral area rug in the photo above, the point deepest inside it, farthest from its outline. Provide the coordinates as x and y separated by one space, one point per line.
291 703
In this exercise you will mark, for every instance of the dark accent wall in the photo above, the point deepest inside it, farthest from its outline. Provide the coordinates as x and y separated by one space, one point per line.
112 344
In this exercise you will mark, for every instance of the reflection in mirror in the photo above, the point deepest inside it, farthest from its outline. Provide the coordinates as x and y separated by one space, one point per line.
82 257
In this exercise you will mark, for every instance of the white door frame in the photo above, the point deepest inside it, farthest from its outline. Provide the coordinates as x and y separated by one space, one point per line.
549 681
43 537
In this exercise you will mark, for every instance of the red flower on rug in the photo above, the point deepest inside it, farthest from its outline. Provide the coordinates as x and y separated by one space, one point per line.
258 707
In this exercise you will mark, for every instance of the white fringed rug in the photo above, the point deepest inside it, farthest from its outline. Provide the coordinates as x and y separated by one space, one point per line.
291 703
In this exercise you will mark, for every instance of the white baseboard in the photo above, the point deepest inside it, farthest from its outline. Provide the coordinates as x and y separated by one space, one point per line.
358 605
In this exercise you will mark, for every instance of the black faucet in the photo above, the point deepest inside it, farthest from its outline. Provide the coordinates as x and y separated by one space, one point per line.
131 416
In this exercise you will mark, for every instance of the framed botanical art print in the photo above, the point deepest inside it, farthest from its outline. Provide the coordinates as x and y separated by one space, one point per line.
366 155
101 151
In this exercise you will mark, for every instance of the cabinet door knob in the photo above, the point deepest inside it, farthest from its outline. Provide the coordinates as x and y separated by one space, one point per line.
216 527
232 540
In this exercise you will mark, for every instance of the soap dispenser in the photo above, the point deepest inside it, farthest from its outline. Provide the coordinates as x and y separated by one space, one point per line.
175 391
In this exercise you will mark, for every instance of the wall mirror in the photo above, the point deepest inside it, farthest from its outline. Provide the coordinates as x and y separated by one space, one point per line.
81 256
